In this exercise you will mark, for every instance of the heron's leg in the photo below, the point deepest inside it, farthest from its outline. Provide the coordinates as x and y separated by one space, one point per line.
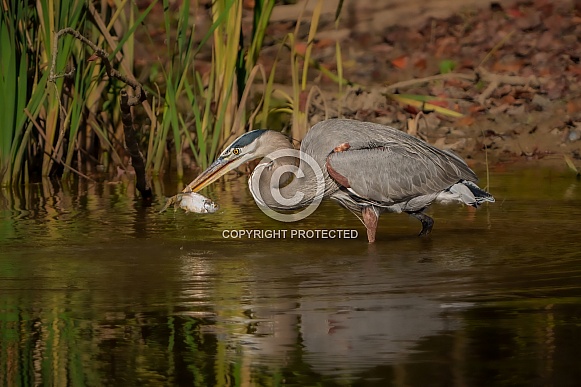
427 222
370 217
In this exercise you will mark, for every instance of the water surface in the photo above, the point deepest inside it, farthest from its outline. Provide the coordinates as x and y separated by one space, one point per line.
96 289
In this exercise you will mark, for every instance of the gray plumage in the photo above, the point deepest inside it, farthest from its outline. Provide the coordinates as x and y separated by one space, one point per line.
368 168
386 167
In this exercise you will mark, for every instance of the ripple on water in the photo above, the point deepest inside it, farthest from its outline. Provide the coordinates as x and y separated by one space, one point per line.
491 296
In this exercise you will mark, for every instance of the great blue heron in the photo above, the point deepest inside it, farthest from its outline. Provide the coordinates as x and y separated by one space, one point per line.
368 168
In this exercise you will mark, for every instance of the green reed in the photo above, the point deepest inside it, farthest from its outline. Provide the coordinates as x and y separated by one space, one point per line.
73 124
23 92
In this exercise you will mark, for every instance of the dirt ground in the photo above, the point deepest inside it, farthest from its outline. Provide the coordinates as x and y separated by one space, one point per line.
512 70
519 62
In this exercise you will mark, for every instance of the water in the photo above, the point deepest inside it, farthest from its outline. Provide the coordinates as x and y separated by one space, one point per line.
97 290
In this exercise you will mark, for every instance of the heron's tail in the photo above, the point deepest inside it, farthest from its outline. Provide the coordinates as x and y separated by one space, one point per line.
480 195
465 192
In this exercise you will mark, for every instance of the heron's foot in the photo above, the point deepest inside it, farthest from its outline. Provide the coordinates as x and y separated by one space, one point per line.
370 218
371 235
427 222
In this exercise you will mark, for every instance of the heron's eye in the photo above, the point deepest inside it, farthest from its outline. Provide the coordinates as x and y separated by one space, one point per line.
236 151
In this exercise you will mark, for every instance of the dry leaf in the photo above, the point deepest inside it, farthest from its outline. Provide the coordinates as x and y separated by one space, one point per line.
465 121
573 106
421 64
400 62
301 48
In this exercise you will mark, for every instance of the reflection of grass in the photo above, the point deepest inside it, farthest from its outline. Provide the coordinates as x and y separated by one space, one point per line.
95 320
572 166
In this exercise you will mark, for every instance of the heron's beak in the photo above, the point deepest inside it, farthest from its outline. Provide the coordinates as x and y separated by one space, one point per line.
218 169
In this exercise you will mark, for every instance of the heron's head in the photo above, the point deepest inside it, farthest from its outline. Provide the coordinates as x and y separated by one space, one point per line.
249 146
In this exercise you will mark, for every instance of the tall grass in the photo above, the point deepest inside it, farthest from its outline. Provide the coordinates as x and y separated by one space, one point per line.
298 102
23 93
219 98
73 125
41 123
214 98
180 53
55 15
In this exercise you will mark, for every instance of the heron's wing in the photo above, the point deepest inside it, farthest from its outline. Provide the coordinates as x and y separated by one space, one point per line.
392 172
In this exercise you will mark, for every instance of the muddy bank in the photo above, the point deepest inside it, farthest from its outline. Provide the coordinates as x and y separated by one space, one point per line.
512 69
517 64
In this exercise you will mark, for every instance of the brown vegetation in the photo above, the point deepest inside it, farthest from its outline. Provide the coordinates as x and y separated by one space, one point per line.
512 69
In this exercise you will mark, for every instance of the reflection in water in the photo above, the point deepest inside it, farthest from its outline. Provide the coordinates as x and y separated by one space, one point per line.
96 289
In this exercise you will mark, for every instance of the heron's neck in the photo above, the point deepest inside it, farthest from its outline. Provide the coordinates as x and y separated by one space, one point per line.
283 184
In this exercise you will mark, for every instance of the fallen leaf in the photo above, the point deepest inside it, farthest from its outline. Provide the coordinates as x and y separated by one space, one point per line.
499 109
510 67
573 106
466 121
382 48
508 99
574 69
400 62
457 83
301 48
92 58
421 64
476 109
544 72
411 109
514 13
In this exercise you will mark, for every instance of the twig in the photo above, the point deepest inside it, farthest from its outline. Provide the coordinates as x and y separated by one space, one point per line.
81 174
488 91
513 80
480 74
100 53
419 81
112 43
54 159
40 131
497 79
496 47
132 147
127 101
